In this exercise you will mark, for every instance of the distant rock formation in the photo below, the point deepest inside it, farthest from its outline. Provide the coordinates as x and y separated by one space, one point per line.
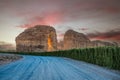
4 46
103 43
37 39
60 45
43 38
118 43
73 39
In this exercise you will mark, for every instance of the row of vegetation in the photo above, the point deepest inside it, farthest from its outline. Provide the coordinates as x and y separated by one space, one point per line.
104 56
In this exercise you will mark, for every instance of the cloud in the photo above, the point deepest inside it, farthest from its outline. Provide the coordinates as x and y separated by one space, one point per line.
113 35
60 36
111 10
49 18
54 12
83 29
93 14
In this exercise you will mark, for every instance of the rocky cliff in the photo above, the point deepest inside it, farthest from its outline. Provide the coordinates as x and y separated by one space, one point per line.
37 39
43 38
73 39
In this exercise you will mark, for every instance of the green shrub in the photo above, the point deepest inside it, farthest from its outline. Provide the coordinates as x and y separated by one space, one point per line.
104 56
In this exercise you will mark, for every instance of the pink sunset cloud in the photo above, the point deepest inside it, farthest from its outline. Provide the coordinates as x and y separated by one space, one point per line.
113 35
51 18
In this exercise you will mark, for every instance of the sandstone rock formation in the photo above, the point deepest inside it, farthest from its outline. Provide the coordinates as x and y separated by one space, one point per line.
73 39
43 38
37 39
60 45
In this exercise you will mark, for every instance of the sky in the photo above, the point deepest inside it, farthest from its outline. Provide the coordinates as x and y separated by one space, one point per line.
98 19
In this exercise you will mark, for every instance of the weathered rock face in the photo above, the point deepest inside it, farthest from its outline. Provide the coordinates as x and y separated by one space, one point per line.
60 45
37 39
74 39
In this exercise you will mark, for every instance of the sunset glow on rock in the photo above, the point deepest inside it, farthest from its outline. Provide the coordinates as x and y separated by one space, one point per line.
49 44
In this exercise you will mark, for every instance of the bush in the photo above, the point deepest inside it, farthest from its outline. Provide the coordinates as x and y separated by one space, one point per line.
104 56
